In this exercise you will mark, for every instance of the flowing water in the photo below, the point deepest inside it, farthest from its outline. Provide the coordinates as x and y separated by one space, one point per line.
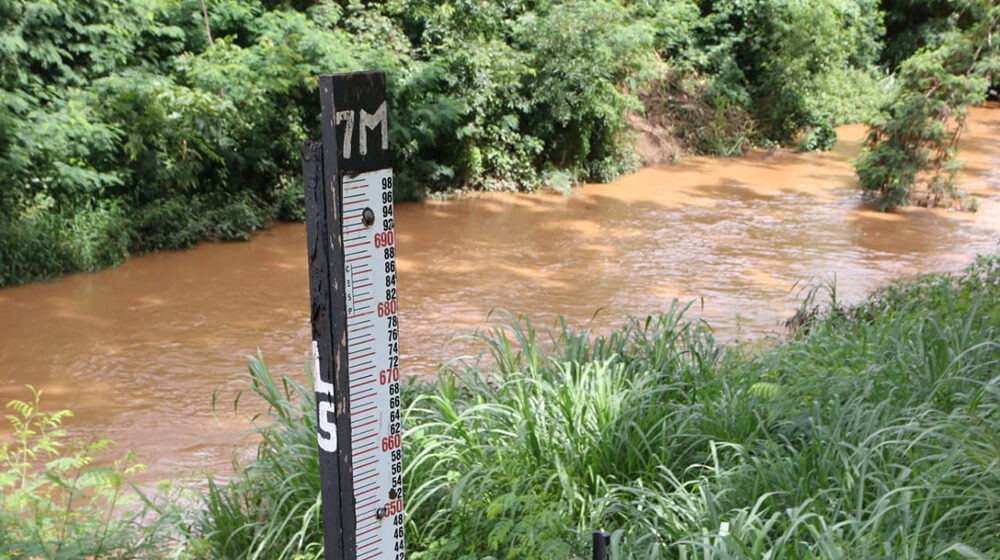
137 352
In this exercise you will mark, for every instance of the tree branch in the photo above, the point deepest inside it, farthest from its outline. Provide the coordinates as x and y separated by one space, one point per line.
208 30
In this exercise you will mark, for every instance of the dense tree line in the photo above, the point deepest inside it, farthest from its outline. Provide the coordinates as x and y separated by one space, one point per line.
130 126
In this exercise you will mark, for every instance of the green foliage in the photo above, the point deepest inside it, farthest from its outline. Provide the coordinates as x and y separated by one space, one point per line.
870 434
790 62
527 450
272 508
32 250
56 502
911 146
127 121
582 55
820 138
46 244
124 118
184 221
912 25
760 72
97 236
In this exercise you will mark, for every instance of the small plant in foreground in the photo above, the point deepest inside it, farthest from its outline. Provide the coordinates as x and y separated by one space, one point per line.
57 503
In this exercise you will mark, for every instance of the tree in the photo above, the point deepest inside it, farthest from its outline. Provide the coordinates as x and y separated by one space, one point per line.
911 145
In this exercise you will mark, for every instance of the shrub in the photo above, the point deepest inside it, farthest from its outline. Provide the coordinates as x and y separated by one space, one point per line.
57 503
32 249
585 58
790 63
98 237
911 144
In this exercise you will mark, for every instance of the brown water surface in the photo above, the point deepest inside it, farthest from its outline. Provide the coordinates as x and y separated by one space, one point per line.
137 352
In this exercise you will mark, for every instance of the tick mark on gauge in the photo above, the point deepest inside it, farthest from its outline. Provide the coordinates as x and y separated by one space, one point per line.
368 217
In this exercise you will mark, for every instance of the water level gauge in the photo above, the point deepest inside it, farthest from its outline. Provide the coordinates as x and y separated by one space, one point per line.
352 269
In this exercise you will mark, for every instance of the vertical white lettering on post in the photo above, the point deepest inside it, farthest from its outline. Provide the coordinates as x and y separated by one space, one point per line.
326 434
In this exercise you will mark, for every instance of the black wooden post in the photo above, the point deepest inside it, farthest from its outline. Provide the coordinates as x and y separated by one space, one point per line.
601 542
329 348
350 228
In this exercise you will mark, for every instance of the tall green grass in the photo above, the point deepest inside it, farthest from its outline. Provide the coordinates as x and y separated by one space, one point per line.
874 432
272 508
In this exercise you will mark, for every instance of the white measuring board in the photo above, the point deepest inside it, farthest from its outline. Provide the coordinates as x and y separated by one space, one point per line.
373 363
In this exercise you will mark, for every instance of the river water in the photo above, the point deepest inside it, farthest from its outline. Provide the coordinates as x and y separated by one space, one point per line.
137 352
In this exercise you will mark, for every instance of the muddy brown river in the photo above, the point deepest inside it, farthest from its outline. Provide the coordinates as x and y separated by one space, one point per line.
137 352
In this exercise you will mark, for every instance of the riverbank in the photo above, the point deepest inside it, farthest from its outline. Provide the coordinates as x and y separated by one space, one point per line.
870 433
132 126
138 351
